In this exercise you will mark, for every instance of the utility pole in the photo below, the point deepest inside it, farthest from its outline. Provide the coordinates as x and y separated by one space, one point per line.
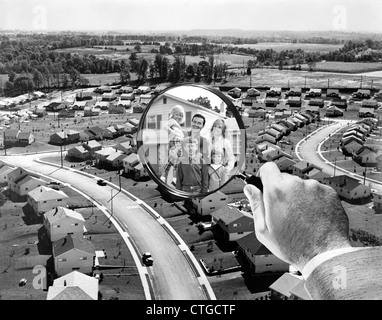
335 165
62 164
364 174
361 81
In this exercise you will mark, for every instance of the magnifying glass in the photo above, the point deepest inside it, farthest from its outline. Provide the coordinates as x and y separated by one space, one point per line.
191 141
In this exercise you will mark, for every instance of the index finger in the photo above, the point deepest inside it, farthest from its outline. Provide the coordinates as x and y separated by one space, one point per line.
269 174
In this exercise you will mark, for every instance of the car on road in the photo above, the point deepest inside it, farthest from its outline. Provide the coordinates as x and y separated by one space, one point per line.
147 259
101 182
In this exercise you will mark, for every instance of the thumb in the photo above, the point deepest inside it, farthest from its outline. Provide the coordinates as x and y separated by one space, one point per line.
255 197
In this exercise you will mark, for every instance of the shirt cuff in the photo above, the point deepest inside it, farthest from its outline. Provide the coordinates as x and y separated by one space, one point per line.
322 257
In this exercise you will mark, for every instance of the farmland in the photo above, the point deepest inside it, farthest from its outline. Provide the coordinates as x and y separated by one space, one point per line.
280 46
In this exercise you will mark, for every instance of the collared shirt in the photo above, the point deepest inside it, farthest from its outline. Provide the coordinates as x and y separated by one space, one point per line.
192 173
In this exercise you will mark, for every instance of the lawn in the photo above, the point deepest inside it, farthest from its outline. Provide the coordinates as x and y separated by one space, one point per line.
348 67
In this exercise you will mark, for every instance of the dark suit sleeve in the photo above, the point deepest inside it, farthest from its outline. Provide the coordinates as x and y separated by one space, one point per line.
351 276
179 176
204 178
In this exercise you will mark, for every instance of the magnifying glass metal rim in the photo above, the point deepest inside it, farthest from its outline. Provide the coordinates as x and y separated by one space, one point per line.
150 171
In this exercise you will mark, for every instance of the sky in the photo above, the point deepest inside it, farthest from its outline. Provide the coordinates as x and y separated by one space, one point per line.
168 15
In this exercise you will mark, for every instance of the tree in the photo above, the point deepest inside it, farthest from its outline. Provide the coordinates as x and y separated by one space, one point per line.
249 71
202 101
124 74
138 48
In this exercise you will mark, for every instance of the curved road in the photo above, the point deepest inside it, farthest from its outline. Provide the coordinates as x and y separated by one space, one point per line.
308 149
172 276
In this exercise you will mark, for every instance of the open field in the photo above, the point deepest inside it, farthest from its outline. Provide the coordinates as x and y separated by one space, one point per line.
348 67
280 46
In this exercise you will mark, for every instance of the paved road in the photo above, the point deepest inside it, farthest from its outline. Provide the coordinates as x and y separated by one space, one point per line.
171 276
308 151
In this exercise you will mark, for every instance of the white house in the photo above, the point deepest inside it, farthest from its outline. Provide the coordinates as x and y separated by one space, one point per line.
205 206
73 253
27 184
61 221
4 170
255 258
283 288
348 187
43 199
130 161
74 286
232 223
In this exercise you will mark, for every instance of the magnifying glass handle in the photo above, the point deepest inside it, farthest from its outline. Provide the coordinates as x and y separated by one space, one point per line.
256 181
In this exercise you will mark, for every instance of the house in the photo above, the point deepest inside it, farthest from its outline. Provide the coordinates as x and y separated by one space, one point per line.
259 113
248 100
102 89
102 154
333 111
205 206
74 286
294 102
313 109
266 138
40 112
12 138
317 102
119 108
366 156
127 97
43 199
371 103
108 96
366 113
339 103
139 171
15 175
293 92
347 187
302 168
109 133
115 159
234 92
73 136
58 138
145 99
354 133
124 90
348 139
298 122
125 147
93 111
84 95
290 124
272 132
133 121
377 200
119 128
271 102
283 287
351 148
73 253
273 92
97 131
312 93
271 154
78 153
86 135
129 128
301 118
285 164
252 92
309 116
362 94
320 176
231 223
56 106
67 113
280 128
92 146
81 105
143 89
333 93
25 184
4 171
255 258
61 221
